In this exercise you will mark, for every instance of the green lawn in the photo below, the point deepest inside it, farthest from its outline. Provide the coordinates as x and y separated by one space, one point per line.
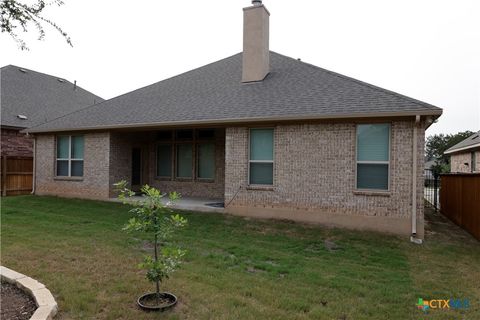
237 268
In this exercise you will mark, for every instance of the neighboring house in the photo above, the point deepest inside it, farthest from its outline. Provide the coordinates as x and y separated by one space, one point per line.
29 98
465 155
269 135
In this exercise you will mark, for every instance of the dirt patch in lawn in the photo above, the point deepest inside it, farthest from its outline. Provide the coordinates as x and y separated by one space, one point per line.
16 304
439 227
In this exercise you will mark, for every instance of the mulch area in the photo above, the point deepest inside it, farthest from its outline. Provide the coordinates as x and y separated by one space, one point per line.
16 304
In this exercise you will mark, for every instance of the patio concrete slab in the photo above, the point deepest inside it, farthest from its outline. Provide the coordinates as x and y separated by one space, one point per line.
189 204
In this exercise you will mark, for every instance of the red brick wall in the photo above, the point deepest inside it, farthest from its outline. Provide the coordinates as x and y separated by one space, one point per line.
15 143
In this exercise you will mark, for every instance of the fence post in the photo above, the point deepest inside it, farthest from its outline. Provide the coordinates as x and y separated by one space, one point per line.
435 189
4 176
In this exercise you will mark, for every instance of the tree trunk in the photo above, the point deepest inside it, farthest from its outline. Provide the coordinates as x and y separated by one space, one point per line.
156 260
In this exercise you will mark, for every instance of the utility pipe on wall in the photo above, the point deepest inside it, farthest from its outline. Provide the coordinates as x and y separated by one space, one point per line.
414 238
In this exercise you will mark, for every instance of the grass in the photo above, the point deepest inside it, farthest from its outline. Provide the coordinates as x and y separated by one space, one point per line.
237 268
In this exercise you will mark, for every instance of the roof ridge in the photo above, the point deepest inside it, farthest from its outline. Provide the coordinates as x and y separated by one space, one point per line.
6 66
51 76
42 73
366 84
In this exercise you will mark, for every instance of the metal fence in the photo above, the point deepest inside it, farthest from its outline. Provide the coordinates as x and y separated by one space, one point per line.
431 190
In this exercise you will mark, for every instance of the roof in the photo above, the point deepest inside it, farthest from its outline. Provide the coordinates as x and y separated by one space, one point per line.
471 142
215 94
38 96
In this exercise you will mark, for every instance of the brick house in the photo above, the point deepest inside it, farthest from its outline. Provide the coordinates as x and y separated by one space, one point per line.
465 155
270 136
29 98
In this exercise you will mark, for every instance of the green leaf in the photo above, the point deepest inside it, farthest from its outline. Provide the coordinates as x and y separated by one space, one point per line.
152 216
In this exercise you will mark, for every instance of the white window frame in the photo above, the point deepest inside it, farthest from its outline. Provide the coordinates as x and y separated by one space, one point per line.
373 162
69 159
261 161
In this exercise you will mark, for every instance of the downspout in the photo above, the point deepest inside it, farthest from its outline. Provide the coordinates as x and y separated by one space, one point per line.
34 163
413 237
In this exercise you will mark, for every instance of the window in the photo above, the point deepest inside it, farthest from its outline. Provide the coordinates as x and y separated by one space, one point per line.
70 156
261 157
184 160
164 160
186 154
206 161
373 156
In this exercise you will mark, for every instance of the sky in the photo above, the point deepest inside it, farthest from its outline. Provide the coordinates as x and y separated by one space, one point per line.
425 49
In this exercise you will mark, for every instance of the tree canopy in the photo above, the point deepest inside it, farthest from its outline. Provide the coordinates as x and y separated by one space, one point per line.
437 144
15 14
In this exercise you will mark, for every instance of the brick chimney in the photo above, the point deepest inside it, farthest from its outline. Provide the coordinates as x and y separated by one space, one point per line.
256 51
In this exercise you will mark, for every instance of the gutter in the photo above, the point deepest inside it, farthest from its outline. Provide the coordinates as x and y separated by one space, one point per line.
472 146
234 121
413 237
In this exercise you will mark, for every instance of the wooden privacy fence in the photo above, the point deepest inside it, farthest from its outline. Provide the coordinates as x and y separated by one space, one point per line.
460 200
17 175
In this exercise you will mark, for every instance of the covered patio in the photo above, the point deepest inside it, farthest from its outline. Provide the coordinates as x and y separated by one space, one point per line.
190 161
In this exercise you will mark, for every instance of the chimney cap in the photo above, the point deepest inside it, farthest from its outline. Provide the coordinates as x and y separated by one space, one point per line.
257 2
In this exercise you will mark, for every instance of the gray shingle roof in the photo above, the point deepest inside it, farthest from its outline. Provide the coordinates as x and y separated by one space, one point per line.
471 142
214 93
38 96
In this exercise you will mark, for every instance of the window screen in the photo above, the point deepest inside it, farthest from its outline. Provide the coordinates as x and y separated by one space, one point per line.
206 161
261 156
184 160
373 156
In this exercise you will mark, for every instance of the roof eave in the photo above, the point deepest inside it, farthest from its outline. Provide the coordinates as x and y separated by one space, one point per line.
472 146
12 127
435 113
